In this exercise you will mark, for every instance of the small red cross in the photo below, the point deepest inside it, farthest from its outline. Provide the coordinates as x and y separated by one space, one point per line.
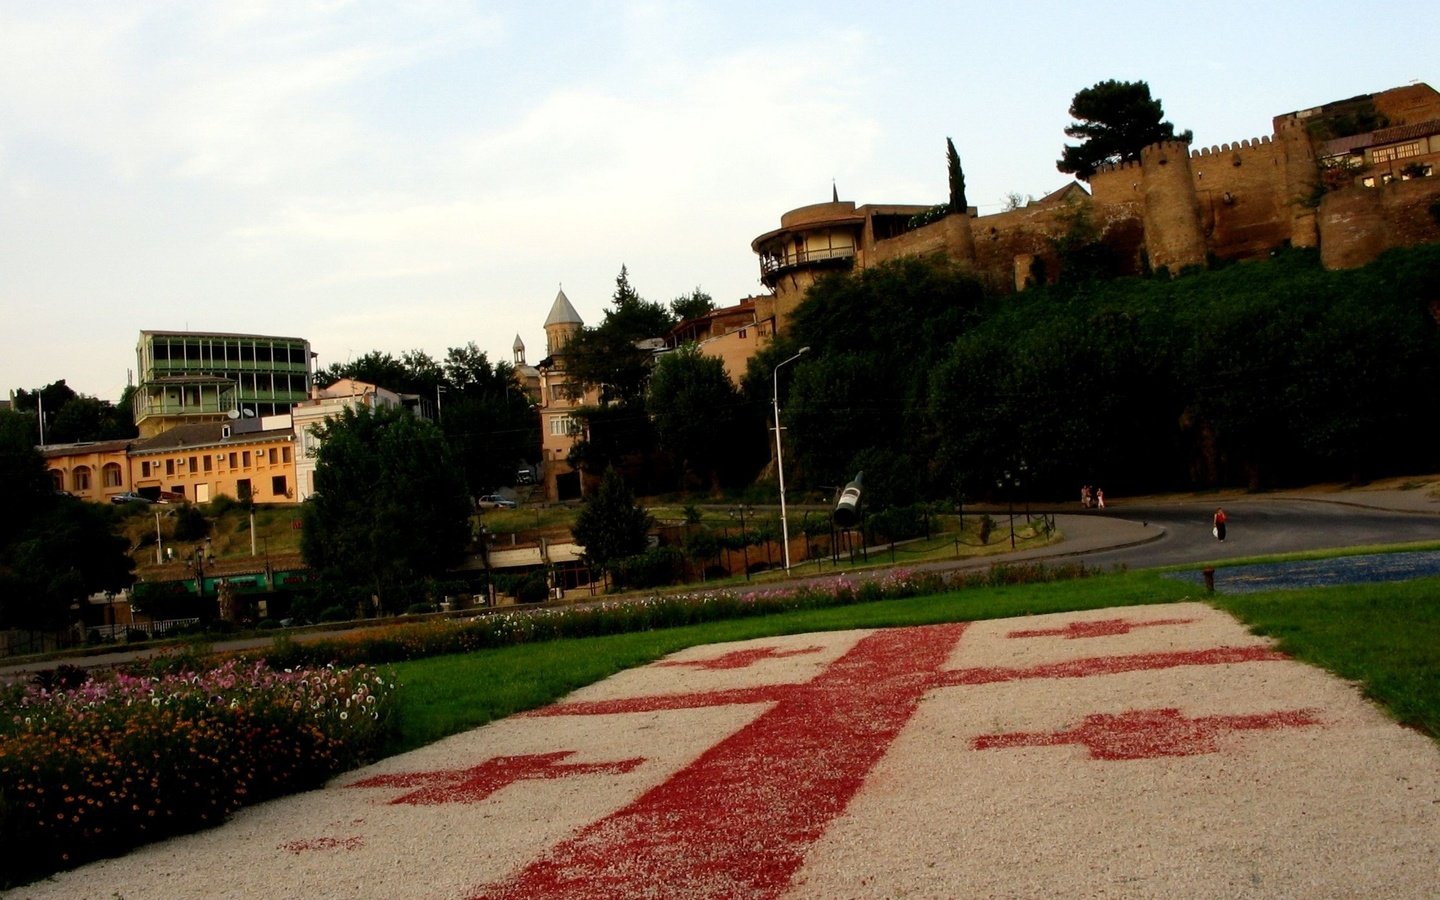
1149 733
1097 628
740 659
478 782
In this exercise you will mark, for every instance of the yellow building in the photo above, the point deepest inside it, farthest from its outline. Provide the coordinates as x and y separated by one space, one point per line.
200 462
93 470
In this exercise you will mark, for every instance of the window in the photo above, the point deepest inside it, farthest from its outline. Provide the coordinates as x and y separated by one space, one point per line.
1399 151
194 467
562 426
245 458
278 486
57 479
242 489
169 467
285 454
112 475
80 478
274 455
145 468
232 459
206 458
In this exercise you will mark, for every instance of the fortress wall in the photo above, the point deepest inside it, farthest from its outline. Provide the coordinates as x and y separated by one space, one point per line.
1357 224
1008 243
1241 191
932 238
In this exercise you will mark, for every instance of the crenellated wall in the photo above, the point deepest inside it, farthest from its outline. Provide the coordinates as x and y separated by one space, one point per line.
1176 206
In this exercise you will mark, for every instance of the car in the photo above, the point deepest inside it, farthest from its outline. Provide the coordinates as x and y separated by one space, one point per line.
495 501
129 497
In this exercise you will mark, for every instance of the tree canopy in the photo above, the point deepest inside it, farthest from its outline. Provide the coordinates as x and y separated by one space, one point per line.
607 356
696 410
390 510
612 525
54 551
1115 121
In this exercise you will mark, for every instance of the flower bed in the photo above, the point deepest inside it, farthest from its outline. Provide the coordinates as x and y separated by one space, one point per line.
92 769
418 640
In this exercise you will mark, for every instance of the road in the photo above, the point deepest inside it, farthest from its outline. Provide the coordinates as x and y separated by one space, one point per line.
1134 535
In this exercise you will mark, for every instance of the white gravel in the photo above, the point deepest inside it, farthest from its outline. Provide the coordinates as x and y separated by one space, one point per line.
1348 806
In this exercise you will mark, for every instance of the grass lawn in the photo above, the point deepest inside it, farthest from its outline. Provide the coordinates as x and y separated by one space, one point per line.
1385 636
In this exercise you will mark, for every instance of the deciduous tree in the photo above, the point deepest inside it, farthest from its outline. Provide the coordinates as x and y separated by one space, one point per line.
391 508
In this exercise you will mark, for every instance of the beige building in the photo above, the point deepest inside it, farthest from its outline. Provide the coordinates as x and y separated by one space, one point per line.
325 403
731 334
559 397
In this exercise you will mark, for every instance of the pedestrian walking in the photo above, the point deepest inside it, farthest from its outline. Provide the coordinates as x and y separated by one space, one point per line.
1100 497
1219 527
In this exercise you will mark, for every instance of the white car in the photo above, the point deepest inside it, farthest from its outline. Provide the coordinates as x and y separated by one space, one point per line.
495 501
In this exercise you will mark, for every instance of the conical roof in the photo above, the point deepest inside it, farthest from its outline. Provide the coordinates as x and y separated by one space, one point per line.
562 313
518 345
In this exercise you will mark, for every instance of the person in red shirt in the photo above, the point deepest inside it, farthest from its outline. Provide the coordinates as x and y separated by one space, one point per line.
1220 524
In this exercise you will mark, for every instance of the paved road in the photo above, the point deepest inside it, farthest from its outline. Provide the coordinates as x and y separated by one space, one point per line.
1144 534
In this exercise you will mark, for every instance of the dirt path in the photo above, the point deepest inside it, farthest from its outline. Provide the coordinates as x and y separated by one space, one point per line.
1136 752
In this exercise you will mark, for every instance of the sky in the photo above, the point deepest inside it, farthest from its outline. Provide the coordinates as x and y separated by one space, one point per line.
394 176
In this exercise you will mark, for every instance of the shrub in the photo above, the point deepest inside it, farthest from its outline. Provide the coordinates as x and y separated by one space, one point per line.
656 566
532 588
334 614
93 770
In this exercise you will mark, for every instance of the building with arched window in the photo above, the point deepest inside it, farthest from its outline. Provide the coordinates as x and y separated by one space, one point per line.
91 470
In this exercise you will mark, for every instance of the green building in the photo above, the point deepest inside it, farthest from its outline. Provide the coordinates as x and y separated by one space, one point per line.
188 377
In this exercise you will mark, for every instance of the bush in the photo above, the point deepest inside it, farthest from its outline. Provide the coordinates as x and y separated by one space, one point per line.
419 609
532 588
334 614
653 568
143 757
221 505
190 524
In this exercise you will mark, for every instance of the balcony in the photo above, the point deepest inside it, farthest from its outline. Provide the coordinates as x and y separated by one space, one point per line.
822 257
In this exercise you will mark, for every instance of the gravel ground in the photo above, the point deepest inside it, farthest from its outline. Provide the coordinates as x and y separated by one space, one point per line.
1136 752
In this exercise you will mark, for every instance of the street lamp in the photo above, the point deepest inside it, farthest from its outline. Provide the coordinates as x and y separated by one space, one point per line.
744 539
202 556
780 456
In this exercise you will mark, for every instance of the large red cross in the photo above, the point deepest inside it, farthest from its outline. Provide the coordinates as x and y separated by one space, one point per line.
739 659
478 782
1149 733
740 818
1096 628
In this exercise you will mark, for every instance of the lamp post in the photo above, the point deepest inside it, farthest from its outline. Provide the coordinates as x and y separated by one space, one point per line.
744 538
202 556
780 456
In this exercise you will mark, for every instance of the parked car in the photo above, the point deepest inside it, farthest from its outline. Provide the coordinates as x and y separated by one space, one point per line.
129 497
495 501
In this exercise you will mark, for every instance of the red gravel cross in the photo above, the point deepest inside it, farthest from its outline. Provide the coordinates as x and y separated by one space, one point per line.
739 820
1147 734
478 782
1097 628
739 659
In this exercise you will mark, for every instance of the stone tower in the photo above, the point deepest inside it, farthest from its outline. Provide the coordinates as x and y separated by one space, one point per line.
561 324
1174 237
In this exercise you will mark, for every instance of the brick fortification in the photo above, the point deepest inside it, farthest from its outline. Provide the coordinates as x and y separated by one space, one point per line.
1178 206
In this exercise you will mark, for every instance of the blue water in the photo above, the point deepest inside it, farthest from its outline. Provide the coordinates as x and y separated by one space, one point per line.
1367 568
